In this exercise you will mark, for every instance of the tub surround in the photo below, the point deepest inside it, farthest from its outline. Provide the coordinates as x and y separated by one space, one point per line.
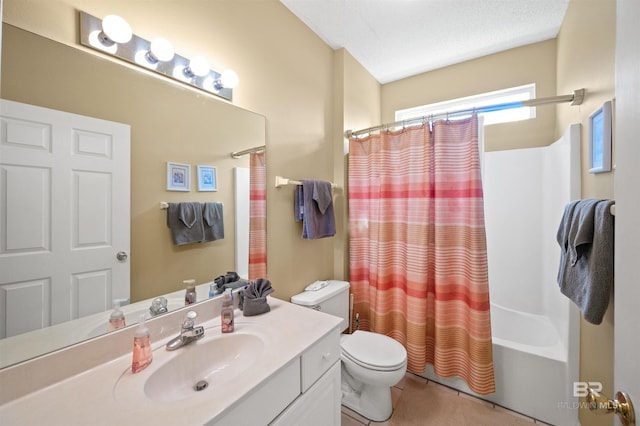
302 355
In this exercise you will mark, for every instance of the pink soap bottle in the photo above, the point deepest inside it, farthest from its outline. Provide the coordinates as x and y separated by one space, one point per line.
190 294
116 319
142 355
226 315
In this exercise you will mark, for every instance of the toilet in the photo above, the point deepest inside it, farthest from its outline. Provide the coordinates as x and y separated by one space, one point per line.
371 363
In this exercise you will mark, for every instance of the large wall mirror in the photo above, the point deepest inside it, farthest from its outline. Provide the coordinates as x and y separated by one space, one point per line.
169 123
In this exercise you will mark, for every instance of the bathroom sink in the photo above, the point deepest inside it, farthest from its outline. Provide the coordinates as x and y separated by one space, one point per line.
206 364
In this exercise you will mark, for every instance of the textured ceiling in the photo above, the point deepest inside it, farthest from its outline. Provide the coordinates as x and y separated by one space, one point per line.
394 39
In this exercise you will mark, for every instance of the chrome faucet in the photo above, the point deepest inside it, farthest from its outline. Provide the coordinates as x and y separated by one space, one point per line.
158 306
189 332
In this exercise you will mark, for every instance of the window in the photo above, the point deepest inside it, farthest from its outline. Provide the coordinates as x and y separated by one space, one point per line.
503 115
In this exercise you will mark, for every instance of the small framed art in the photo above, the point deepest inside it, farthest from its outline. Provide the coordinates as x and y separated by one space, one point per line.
178 177
207 180
600 132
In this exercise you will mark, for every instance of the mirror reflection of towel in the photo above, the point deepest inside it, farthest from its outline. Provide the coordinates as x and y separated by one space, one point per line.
185 222
213 221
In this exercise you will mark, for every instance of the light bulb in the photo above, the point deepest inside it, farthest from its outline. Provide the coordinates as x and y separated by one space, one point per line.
115 30
161 50
229 79
198 66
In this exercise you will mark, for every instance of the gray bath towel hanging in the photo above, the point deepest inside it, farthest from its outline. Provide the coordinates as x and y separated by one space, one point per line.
586 263
213 221
185 222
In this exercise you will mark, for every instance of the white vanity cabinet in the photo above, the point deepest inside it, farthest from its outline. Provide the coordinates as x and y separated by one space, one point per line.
318 406
319 403
304 392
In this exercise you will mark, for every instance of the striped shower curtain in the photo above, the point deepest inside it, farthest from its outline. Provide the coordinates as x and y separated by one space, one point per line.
418 261
257 216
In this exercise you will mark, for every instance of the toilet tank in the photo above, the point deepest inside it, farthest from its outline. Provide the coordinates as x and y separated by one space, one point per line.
332 299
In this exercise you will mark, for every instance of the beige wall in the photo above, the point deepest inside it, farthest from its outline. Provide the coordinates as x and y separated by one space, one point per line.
286 74
586 58
535 63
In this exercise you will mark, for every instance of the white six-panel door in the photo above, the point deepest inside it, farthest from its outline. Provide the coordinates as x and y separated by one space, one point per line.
64 216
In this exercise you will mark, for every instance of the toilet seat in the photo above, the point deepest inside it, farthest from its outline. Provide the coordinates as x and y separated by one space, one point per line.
374 351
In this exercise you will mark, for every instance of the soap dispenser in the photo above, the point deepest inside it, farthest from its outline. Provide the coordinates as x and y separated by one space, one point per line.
190 295
142 355
226 315
116 319
213 290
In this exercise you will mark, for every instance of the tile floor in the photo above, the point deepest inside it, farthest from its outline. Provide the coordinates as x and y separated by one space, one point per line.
420 402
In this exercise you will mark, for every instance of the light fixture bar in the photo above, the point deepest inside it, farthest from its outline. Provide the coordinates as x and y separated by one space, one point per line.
135 52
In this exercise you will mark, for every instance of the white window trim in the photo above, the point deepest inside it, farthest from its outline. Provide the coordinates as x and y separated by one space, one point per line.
513 94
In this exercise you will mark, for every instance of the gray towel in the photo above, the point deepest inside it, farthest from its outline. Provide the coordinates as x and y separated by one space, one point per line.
213 221
318 218
185 222
588 279
254 300
562 237
582 228
298 204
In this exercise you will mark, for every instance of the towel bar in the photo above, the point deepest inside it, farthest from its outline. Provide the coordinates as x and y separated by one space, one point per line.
165 205
282 181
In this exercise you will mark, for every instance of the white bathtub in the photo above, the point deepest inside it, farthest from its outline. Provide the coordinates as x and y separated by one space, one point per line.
529 333
532 371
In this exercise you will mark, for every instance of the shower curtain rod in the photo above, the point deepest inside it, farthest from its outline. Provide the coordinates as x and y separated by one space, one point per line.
576 99
239 154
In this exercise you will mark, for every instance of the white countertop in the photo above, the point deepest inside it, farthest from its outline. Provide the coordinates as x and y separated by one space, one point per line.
88 398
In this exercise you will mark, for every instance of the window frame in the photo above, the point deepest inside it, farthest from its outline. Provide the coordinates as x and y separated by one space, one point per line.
496 97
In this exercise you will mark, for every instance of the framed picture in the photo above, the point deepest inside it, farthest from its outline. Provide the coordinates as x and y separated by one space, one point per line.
600 128
178 177
207 180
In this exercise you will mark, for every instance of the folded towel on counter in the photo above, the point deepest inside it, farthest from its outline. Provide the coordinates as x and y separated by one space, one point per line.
229 277
586 243
254 297
213 221
318 216
185 222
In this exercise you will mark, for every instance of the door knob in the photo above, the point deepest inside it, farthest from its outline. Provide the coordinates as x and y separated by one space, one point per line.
621 406
121 255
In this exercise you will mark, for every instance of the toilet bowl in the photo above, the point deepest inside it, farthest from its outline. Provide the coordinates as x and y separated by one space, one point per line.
371 363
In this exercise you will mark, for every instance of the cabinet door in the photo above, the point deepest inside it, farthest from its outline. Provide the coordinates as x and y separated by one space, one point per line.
318 406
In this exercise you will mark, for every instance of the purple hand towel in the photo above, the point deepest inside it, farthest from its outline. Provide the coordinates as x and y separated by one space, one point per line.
318 217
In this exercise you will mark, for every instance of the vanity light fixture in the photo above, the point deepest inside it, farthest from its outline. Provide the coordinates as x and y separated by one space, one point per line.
161 50
114 30
198 67
228 79
113 35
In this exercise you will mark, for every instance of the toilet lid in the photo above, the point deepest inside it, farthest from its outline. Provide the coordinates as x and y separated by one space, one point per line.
374 351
